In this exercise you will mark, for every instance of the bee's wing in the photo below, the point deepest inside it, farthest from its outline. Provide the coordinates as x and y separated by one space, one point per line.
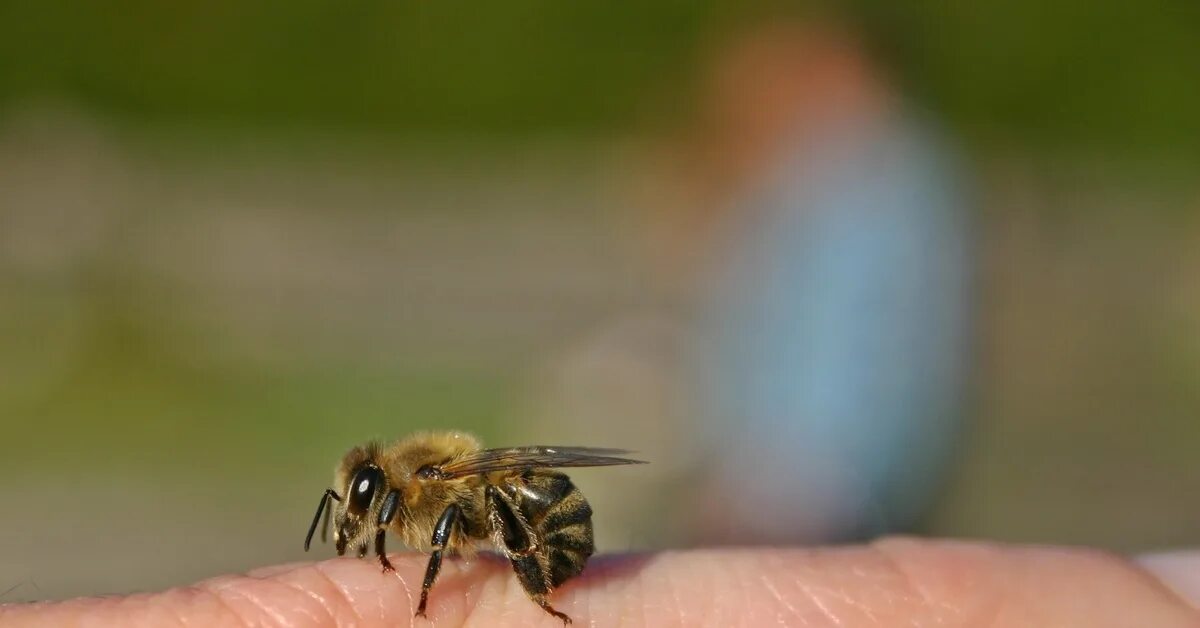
488 460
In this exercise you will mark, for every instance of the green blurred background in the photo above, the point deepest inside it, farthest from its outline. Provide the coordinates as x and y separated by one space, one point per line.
238 237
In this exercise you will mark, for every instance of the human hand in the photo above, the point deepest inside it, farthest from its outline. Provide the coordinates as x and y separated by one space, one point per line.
894 582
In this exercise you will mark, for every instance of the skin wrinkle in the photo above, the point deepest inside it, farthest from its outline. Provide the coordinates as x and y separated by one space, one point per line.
225 602
512 596
739 592
346 599
475 596
195 592
335 598
816 600
802 581
979 598
884 549
850 601
257 611
289 579
748 590
778 564
379 599
266 610
264 573
983 599
316 610
316 598
190 597
779 599
478 604
407 589
858 605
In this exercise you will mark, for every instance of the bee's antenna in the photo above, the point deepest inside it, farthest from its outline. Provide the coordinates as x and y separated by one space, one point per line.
325 523
329 493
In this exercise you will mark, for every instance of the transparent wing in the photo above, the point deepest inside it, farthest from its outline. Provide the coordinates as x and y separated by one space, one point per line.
488 460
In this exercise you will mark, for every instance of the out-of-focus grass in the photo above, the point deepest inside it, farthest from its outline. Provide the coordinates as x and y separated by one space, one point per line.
135 415
97 371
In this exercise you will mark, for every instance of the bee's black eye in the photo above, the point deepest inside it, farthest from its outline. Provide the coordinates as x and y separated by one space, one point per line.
362 489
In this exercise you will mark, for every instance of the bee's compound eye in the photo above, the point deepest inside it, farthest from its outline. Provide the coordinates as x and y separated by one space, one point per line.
362 489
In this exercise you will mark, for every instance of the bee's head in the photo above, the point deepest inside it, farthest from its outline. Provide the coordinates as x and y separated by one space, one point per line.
356 513
360 490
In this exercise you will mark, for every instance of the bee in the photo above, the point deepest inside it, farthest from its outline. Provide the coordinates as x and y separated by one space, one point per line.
442 492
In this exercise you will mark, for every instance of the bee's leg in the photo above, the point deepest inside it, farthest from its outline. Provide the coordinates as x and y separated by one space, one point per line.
386 514
441 536
521 548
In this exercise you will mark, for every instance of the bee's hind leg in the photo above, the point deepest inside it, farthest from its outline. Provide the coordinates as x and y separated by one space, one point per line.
520 547
441 536
386 514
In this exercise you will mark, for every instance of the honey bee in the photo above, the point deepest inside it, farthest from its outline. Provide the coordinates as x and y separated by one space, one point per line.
442 492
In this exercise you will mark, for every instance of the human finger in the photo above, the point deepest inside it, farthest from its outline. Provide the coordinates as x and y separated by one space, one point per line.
893 582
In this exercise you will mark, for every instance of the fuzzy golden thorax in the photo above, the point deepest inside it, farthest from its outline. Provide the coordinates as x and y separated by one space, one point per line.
368 473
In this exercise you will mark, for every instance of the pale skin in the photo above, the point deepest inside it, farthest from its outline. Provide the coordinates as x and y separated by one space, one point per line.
893 582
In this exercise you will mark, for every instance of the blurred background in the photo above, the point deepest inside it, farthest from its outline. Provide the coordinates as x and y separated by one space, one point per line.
838 272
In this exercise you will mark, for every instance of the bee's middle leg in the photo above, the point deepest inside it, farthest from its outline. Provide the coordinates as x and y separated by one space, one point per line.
441 536
386 514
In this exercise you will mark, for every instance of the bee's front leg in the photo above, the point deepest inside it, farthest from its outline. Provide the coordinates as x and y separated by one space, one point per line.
386 514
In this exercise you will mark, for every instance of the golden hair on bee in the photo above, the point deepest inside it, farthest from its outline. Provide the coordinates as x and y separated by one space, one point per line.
441 491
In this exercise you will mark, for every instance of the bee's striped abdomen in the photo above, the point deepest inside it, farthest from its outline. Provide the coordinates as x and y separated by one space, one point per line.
561 519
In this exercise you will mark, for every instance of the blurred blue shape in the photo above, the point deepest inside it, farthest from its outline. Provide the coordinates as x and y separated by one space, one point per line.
836 356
